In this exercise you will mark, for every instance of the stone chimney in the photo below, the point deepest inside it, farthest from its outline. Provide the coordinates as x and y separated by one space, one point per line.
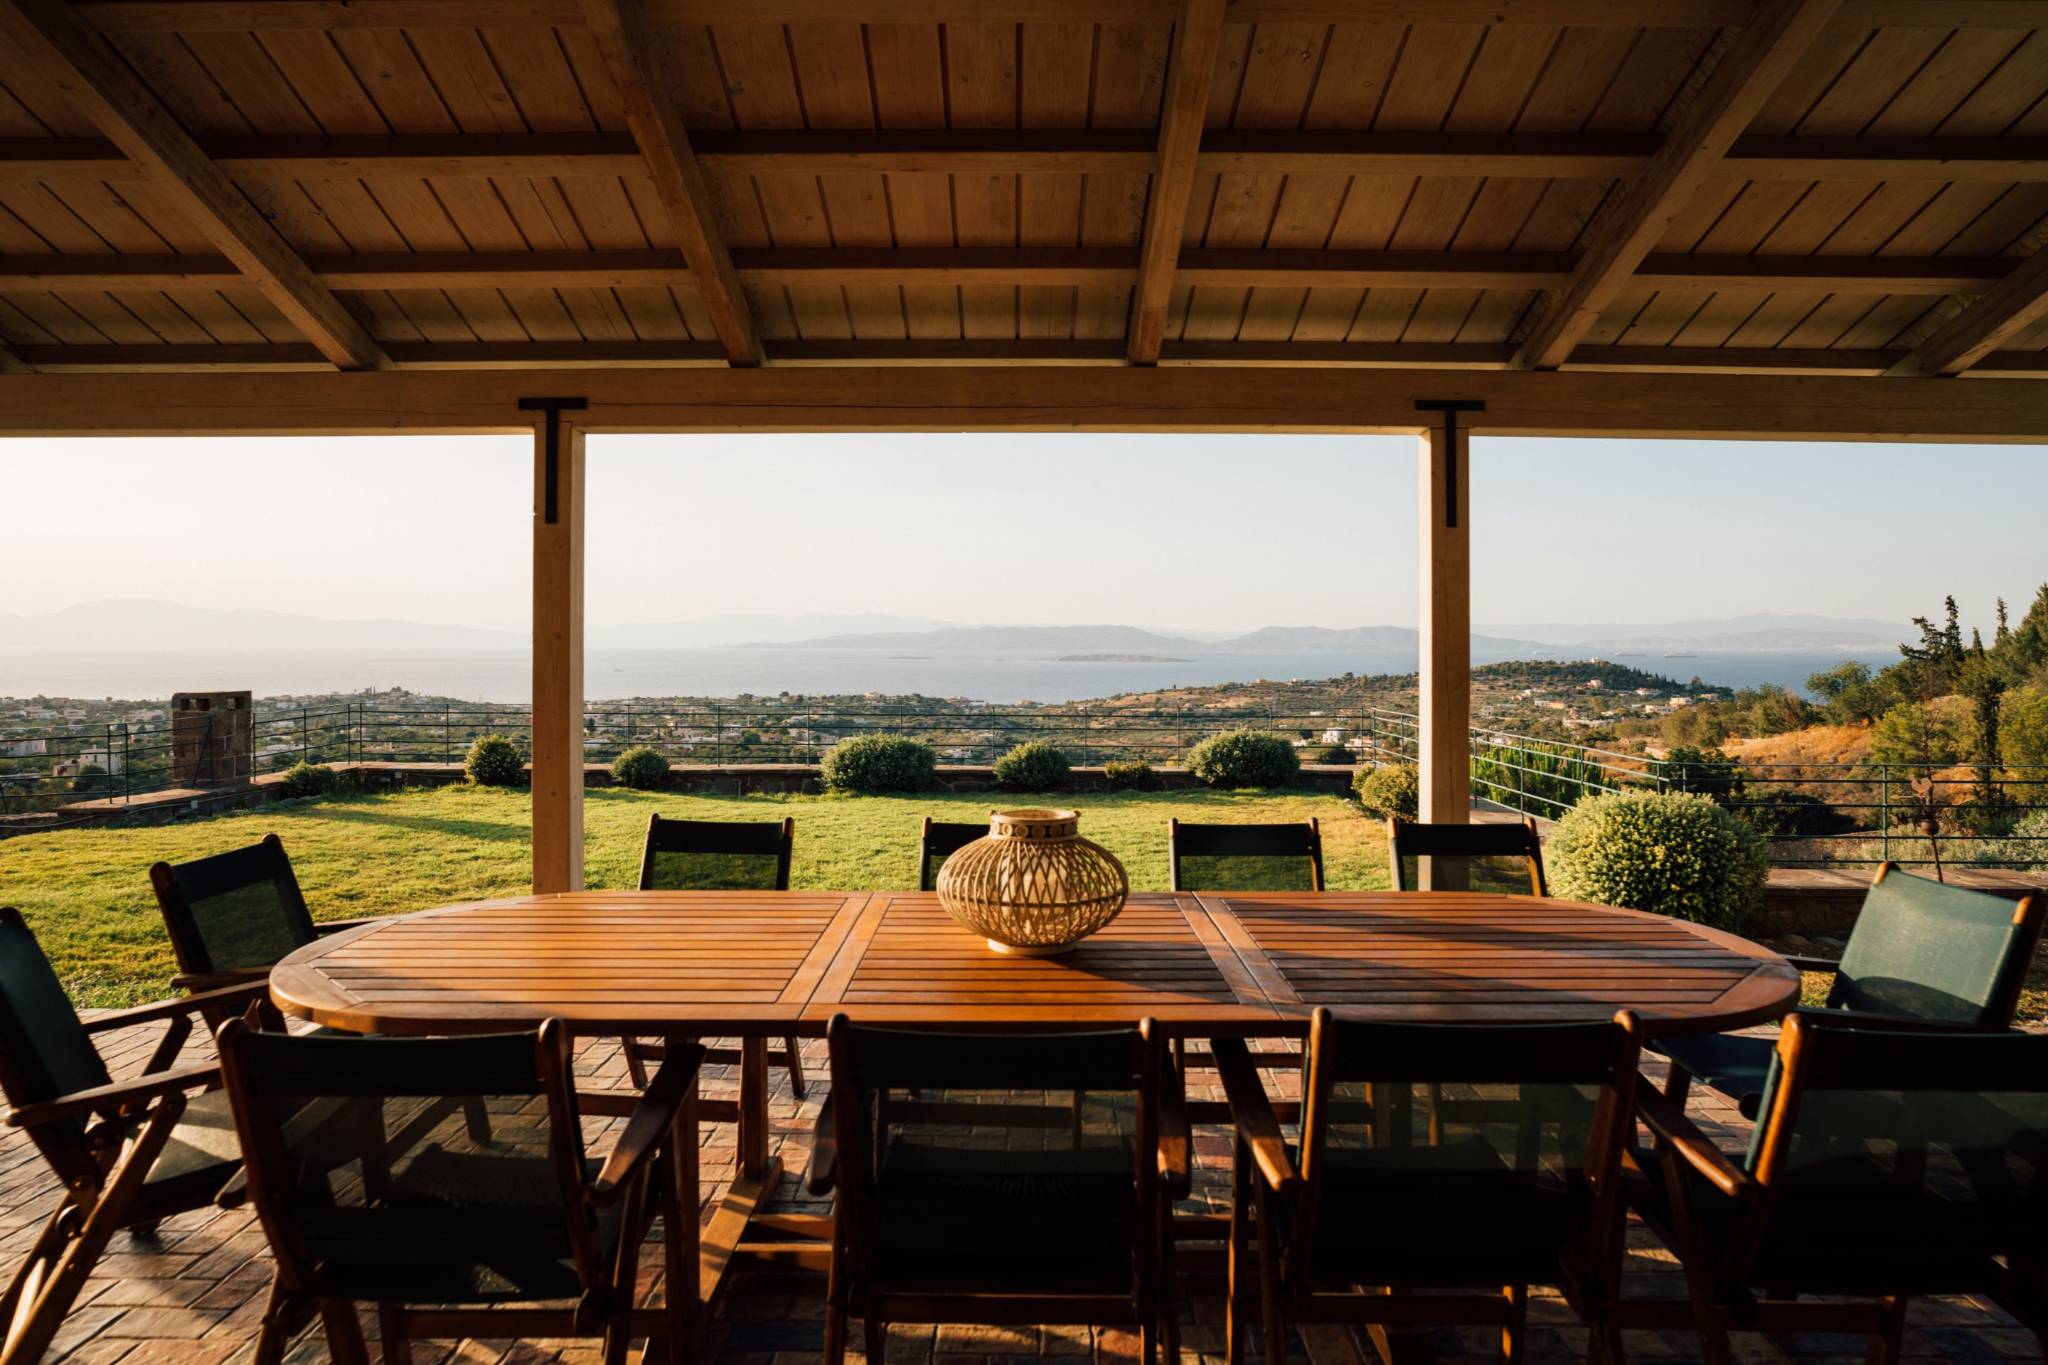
212 739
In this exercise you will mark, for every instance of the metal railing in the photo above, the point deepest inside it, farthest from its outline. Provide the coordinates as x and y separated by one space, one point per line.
1812 814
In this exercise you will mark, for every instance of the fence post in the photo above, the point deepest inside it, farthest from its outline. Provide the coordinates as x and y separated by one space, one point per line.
1884 811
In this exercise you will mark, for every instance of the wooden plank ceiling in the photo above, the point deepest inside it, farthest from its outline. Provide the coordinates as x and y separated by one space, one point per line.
1833 186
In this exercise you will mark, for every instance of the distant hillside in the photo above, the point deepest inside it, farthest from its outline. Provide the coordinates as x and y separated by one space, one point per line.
1006 639
1760 632
136 624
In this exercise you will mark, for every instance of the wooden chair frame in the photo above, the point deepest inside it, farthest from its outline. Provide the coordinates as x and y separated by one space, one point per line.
941 839
1265 1172
197 970
1685 1151
1490 839
2029 915
1290 840
101 1143
1161 1174
717 836
651 1171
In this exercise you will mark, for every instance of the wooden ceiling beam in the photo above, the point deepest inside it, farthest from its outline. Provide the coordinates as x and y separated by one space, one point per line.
1033 151
2005 310
102 86
1754 65
1250 267
1242 398
1196 37
239 16
641 57
1408 356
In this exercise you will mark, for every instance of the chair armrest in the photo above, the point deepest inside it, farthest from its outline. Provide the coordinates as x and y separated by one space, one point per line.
1901 1022
195 983
1176 1142
1678 1134
1252 1113
653 1119
108 1099
1828 966
823 1171
169 1009
336 926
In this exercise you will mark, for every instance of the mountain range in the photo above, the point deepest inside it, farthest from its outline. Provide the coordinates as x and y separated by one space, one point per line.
135 625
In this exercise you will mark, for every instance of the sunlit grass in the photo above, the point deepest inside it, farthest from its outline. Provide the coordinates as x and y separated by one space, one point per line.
86 892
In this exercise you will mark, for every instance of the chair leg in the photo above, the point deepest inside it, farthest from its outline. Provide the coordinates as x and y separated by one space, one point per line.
391 1341
635 1068
34 1273
1888 1344
1148 1341
1604 1346
875 1339
279 1311
1266 1230
1513 1330
835 1335
796 1067
344 1332
51 1286
1169 1293
1677 1085
1234 1267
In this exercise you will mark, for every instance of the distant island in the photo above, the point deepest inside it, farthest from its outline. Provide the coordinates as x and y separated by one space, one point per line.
1121 659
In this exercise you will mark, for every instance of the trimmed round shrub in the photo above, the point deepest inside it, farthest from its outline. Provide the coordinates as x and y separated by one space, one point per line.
642 769
305 779
1035 766
879 763
1392 791
1664 852
494 761
1244 758
1136 775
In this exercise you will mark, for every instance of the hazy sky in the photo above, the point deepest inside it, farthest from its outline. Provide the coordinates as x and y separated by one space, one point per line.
1221 532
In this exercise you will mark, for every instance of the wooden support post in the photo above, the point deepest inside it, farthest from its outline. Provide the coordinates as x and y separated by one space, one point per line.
1444 734
558 472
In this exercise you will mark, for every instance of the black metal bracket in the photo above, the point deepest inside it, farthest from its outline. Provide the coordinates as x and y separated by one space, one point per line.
551 496
1450 408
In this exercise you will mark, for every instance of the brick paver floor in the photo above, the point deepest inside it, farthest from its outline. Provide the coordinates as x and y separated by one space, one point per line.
192 1292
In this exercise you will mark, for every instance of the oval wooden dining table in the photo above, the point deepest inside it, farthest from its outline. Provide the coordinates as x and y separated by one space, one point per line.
760 964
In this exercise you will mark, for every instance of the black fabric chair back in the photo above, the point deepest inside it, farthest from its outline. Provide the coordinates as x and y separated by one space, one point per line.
1283 857
938 841
716 855
1461 1153
1495 857
235 911
995 1163
1924 950
1896 1161
45 1051
377 1179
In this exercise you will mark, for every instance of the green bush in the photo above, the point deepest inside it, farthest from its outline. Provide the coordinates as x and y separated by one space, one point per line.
1130 774
2034 829
305 779
879 763
494 761
91 778
1389 791
1663 852
1335 753
1034 766
641 768
1702 772
1244 758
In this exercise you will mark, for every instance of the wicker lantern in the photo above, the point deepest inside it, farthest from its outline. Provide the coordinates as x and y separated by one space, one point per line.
1032 885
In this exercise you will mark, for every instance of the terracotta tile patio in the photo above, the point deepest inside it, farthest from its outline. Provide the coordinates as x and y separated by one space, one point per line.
192 1292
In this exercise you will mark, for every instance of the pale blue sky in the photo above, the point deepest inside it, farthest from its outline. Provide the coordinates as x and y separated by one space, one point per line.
1220 532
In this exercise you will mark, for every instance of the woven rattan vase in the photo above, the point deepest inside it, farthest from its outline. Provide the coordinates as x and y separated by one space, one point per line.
1032 885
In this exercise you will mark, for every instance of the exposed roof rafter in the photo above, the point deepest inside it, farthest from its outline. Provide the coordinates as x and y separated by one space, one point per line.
642 63
107 91
1747 74
2006 309
1188 77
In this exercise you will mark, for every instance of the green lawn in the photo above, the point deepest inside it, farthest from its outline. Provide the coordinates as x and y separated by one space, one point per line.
86 892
